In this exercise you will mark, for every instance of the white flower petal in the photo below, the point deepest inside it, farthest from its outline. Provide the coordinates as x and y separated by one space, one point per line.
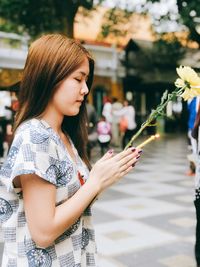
179 83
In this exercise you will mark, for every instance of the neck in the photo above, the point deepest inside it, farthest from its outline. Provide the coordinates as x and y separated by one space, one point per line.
53 119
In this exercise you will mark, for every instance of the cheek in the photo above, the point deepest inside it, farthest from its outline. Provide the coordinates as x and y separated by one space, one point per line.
61 96
66 94
65 102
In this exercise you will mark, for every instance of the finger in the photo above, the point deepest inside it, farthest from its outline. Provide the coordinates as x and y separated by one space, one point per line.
108 155
129 167
130 161
129 158
125 153
129 164
135 154
126 171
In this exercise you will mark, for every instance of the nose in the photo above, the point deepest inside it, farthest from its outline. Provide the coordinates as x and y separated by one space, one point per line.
84 89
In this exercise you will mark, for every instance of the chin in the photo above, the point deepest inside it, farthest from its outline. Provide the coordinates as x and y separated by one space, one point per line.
73 113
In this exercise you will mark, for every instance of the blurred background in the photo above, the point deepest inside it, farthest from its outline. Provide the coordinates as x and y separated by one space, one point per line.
137 46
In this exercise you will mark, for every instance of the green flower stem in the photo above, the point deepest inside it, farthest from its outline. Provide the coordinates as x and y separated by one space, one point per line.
159 111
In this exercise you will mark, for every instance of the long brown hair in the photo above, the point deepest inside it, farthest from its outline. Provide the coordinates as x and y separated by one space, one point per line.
50 60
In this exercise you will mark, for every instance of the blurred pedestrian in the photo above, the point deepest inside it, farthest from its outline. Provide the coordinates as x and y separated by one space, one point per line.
127 121
116 105
107 109
92 128
46 182
104 134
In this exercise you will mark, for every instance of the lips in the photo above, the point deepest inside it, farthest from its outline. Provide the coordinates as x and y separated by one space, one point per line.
79 102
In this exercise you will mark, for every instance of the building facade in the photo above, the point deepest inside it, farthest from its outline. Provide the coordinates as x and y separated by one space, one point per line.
109 71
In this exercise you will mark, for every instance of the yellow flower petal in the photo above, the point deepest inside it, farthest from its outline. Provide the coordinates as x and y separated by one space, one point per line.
188 80
186 95
195 82
185 72
179 83
196 90
190 93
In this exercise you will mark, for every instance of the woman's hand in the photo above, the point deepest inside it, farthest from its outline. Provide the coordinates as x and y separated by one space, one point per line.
110 168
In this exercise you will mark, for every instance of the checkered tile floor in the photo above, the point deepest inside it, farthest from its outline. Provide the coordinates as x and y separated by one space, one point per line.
148 219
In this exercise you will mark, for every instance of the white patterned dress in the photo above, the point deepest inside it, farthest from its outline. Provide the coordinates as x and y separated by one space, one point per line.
37 149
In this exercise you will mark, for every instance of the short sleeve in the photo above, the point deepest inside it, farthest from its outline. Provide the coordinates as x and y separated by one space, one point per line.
32 152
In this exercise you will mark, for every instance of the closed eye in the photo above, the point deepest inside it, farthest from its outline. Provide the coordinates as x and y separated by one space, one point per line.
78 80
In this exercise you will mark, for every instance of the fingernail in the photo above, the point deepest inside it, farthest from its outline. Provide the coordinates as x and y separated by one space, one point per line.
133 165
110 151
140 151
133 149
138 157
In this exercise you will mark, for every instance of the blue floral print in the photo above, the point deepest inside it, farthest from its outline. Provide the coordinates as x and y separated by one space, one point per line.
39 257
36 149
5 210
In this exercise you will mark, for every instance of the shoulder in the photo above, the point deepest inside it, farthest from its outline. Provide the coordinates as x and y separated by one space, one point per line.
32 131
32 140
33 150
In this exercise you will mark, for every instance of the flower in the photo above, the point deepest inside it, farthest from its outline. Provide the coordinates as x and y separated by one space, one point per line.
188 80
187 87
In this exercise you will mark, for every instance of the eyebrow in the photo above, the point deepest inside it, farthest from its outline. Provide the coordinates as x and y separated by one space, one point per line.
83 73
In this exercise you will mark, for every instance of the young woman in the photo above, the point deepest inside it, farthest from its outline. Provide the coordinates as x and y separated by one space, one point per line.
45 211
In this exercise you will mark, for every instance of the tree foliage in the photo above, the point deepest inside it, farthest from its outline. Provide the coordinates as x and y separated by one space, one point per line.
114 23
189 15
41 16
35 17
166 52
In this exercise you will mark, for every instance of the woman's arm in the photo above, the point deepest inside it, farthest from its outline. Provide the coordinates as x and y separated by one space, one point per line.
46 221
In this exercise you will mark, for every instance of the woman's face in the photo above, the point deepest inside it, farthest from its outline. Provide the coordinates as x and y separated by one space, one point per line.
69 96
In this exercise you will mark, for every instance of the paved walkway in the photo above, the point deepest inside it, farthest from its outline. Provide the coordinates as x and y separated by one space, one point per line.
147 220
